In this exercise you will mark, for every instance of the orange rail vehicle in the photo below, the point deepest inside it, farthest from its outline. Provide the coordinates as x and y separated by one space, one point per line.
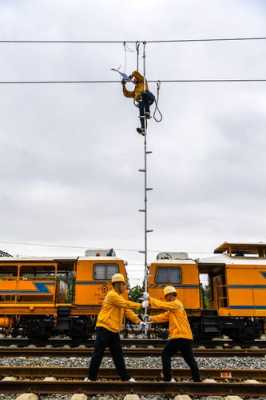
232 298
44 296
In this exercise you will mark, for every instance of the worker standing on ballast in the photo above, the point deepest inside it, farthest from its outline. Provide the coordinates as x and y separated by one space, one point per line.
142 96
180 335
109 323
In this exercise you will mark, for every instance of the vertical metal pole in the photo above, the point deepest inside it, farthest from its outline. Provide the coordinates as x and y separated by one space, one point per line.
145 196
146 189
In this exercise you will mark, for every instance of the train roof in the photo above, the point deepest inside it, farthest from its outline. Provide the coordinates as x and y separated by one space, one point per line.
245 248
227 260
174 262
56 259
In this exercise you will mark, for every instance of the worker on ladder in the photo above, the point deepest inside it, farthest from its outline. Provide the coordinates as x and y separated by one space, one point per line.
142 96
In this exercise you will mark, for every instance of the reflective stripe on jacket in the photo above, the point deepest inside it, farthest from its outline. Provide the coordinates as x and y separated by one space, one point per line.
176 316
114 310
139 86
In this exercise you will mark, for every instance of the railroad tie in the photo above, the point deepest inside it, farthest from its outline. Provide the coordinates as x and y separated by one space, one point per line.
27 396
182 397
132 397
80 396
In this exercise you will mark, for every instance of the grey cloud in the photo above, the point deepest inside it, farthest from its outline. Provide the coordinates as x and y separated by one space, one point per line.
69 155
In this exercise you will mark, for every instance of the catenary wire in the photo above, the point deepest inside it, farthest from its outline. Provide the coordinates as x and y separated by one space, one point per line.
39 244
80 82
191 40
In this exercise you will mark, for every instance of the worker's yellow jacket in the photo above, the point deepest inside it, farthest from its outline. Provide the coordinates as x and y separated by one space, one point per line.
140 87
114 310
176 316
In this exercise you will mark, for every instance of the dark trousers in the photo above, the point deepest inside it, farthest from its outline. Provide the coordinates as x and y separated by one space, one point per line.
185 348
144 103
105 338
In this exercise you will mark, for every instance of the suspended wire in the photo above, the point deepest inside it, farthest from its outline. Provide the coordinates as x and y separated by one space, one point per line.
223 39
39 244
157 115
137 51
81 82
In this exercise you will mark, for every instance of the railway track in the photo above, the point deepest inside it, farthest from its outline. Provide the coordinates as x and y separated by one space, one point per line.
143 387
150 374
139 342
128 352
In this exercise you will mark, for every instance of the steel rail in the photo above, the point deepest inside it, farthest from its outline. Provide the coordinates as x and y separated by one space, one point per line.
128 352
139 342
138 373
147 387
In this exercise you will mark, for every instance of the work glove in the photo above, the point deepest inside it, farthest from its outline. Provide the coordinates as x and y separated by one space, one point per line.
143 325
145 304
146 296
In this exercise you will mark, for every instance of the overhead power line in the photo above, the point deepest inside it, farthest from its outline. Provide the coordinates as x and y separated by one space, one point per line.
86 82
223 39
82 247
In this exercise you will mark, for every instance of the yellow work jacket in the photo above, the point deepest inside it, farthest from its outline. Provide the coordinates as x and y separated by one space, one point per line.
176 315
140 87
114 310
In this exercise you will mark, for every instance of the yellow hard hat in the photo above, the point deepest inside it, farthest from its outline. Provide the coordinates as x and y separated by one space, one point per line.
118 278
168 290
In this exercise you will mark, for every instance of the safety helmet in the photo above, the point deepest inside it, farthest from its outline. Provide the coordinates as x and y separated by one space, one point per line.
169 290
118 278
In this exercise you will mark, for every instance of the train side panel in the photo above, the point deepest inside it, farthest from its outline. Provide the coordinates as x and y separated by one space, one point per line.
181 274
27 288
93 279
246 291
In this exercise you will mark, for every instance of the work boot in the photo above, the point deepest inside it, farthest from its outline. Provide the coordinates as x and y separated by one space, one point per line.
141 131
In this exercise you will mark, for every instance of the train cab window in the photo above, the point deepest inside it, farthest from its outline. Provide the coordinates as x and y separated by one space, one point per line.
168 275
105 271
8 271
37 272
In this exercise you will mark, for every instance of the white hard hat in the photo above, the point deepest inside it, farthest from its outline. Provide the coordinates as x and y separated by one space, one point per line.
118 278
169 290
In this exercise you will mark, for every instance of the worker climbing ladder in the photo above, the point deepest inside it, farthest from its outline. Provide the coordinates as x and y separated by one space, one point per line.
143 99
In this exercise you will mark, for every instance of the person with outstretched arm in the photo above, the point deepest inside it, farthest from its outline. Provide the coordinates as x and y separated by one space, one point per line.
110 321
180 335
142 96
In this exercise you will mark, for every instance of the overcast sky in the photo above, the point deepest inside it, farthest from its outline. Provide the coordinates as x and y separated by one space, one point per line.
69 154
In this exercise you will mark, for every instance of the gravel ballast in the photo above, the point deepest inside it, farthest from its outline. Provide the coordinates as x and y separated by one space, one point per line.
147 362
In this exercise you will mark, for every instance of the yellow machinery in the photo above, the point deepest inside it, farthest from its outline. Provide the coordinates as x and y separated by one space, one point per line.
178 270
232 301
42 296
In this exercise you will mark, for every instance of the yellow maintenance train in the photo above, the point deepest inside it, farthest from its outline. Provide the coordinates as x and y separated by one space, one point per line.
43 296
233 301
